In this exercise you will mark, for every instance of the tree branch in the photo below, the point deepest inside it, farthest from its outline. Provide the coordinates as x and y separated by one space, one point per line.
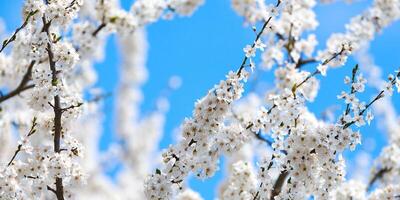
301 62
59 191
279 184
98 29
23 85
71 107
14 35
377 176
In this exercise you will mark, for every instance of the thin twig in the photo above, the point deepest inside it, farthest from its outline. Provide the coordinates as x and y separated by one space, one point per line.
257 38
71 107
352 91
258 192
70 5
103 22
296 86
31 132
377 176
14 35
325 62
98 29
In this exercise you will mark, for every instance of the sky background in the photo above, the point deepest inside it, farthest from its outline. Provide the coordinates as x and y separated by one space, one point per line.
203 48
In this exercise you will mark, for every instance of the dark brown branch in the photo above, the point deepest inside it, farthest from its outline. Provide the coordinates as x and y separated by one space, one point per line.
57 121
335 55
15 154
258 192
14 35
279 184
103 22
70 5
257 38
59 191
301 62
377 176
98 29
23 85
51 189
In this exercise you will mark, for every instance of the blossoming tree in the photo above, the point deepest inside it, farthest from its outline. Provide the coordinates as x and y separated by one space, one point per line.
50 113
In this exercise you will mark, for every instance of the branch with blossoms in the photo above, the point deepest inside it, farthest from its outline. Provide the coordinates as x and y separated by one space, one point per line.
59 191
12 38
31 132
257 44
393 80
23 85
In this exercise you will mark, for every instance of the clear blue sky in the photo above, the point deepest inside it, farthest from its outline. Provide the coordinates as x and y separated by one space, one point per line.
203 48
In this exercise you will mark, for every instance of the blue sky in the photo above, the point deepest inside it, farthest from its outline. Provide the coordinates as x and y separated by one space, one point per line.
203 48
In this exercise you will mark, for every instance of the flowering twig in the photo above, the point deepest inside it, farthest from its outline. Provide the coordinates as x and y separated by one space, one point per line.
377 97
257 38
257 135
23 85
71 107
352 91
14 35
31 132
325 62
296 86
